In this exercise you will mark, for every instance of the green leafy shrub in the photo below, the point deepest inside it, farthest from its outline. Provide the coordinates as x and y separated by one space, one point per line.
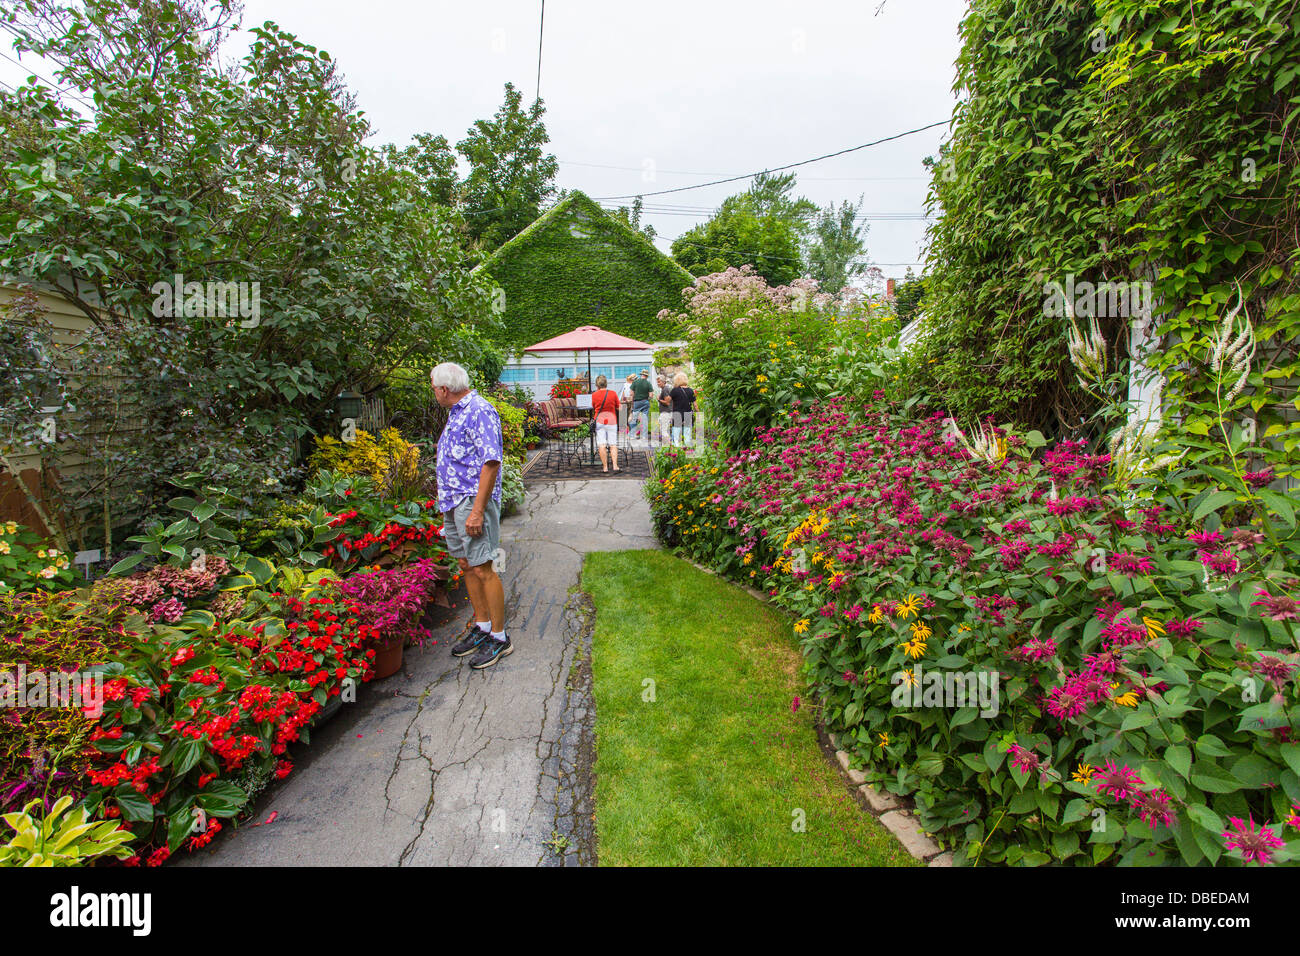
758 348
384 459
1158 153
512 484
1116 672
512 429
58 840
28 562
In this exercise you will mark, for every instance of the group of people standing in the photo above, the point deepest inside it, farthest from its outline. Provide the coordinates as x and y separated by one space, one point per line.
631 409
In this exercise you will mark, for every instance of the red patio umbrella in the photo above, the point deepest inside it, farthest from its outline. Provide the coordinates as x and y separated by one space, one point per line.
588 338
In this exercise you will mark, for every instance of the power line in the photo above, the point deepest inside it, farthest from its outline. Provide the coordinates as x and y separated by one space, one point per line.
763 255
541 32
685 172
51 83
777 169
867 217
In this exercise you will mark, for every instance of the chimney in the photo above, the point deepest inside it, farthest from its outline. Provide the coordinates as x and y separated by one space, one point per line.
889 288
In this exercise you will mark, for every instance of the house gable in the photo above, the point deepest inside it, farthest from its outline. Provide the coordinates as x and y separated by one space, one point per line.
578 265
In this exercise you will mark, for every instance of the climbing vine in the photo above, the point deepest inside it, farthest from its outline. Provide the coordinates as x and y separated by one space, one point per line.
1116 142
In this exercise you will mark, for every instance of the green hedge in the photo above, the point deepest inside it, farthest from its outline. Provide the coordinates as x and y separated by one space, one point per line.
552 279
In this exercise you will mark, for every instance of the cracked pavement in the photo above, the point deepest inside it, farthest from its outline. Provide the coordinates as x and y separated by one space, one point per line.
442 765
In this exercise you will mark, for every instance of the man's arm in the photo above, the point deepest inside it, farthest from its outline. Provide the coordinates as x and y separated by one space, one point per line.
487 480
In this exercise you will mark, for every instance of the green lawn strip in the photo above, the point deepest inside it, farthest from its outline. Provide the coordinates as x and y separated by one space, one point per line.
712 771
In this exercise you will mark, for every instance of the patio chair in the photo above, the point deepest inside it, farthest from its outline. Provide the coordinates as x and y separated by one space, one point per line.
568 447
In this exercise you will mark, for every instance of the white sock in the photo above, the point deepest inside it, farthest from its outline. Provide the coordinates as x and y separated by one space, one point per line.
484 626
499 635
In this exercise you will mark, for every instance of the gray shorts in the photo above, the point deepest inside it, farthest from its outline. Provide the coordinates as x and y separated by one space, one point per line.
479 550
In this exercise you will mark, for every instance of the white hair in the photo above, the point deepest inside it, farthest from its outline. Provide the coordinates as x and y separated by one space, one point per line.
450 376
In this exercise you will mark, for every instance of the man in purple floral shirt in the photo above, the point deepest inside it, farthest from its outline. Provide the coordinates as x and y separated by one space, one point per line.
469 497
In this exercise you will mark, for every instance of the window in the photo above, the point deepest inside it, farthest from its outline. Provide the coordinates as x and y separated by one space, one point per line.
518 375
621 372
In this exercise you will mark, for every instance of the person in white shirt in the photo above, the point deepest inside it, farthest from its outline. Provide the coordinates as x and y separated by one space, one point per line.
625 400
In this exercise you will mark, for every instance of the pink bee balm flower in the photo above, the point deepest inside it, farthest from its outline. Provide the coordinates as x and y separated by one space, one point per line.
1130 564
1120 782
1279 607
1259 479
794 706
1255 844
1023 760
1153 808
1181 628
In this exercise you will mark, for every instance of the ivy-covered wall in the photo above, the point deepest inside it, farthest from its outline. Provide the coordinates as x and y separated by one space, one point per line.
575 256
1148 141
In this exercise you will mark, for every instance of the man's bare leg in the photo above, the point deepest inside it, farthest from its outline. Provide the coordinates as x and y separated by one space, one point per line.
488 584
475 588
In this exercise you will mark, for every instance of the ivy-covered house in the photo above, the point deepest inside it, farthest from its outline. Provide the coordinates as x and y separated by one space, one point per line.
577 265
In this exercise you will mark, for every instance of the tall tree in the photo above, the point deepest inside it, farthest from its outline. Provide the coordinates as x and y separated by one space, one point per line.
763 227
251 181
632 217
433 161
836 253
511 174
769 195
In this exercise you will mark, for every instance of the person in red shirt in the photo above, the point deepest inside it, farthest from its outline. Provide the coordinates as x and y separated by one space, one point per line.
604 408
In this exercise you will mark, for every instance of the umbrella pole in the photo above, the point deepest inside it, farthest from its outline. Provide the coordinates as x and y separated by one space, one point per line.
592 443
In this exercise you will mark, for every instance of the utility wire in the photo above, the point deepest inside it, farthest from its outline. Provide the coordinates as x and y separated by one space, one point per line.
777 169
54 86
686 172
763 255
541 32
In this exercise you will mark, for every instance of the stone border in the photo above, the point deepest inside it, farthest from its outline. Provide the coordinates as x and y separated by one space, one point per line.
894 813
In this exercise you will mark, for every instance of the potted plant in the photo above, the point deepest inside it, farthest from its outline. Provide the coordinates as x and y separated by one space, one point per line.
393 600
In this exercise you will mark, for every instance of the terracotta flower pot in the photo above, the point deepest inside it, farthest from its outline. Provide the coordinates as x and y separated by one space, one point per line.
388 658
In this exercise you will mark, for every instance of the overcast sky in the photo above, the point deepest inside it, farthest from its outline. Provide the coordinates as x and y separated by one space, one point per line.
642 97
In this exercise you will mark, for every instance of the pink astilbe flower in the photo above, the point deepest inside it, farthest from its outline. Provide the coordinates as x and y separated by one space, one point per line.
1256 844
